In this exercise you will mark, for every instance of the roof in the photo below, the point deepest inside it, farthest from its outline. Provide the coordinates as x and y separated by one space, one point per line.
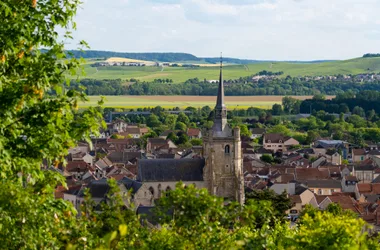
320 198
311 174
170 170
258 131
193 131
295 199
374 152
159 141
123 157
365 168
167 132
323 184
369 188
130 184
358 151
275 138
97 188
305 151
76 166
263 151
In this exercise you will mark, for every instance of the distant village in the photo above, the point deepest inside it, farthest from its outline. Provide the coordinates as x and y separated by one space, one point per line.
227 164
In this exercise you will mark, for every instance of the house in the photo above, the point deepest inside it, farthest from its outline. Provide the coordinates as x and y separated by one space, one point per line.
349 184
194 133
278 142
159 144
117 126
322 146
324 187
365 173
333 157
257 132
136 132
299 201
346 202
359 155
99 189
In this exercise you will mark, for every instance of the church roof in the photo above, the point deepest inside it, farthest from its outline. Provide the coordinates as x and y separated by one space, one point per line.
170 170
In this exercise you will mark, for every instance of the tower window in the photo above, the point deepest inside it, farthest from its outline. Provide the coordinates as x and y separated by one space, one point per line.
227 149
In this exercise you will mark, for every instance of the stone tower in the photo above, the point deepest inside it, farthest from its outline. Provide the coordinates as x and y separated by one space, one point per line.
223 172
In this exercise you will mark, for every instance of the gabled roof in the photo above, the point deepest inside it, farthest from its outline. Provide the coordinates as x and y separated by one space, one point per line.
275 138
170 170
193 131
76 166
263 151
358 151
97 188
130 184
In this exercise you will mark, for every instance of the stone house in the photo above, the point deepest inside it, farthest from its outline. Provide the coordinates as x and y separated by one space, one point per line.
278 142
365 173
159 144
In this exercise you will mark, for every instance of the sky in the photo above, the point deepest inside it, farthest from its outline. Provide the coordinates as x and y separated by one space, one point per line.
247 29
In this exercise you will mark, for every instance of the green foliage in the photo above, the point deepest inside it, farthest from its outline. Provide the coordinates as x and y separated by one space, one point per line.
196 142
267 158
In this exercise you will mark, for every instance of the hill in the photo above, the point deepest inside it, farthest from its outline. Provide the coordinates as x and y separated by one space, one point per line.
158 57
181 74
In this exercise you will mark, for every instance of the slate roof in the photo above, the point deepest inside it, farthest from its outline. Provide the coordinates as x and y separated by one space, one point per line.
130 184
123 157
305 151
97 188
170 170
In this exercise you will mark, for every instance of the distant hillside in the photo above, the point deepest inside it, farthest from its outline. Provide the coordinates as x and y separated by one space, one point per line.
160 57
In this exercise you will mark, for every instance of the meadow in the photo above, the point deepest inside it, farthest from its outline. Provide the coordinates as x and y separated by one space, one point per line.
232 102
180 74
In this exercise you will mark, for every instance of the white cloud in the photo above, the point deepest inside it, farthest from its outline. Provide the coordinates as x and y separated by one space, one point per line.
256 29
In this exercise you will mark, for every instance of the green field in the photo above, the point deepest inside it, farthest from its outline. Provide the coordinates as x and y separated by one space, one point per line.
353 66
232 102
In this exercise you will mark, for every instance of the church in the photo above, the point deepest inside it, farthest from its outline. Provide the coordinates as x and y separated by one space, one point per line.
220 170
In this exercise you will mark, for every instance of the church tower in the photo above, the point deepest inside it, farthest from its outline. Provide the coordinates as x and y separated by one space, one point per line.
223 172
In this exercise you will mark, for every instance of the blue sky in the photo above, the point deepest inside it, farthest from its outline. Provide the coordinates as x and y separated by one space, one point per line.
252 29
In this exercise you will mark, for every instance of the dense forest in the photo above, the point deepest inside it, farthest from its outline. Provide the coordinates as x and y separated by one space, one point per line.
238 87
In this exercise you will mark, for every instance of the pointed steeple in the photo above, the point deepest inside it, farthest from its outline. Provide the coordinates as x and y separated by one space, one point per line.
220 121
220 98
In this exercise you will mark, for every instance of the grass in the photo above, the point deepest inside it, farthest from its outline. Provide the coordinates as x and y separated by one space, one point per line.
353 66
133 102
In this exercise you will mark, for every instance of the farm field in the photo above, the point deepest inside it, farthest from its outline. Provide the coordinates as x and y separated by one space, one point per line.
179 74
232 102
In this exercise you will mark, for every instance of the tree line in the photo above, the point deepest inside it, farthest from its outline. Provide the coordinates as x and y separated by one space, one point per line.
238 87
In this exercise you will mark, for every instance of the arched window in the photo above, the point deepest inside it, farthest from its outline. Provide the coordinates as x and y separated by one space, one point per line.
167 191
168 188
151 189
227 149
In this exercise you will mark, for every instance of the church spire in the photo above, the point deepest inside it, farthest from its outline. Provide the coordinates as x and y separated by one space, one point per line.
220 98
220 121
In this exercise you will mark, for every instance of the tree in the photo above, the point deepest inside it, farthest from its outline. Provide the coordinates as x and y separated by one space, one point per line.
170 121
276 109
267 158
173 137
281 202
279 129
358 111
153 121
37 126
183 118
244 131
181 126
196 142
